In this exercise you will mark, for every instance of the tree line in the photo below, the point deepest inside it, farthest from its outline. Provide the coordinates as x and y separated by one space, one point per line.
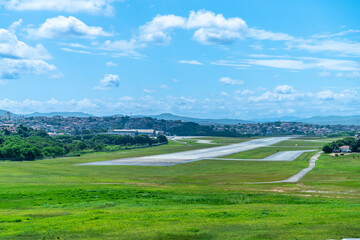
347 141
30 144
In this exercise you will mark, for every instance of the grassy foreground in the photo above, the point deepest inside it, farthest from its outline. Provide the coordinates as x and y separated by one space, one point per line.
53 199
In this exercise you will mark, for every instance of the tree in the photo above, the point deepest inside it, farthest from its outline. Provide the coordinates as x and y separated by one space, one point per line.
327 148
81 146
7 132
162 139
41 133
142 139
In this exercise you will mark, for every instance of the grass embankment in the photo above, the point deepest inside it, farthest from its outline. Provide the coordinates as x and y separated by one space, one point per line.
53 199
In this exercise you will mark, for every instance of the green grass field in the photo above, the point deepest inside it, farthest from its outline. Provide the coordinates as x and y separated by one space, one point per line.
208 199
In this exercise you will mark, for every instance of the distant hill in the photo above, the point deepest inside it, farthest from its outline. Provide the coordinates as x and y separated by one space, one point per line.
333 120
323 120
3 112
207 121
282 119
62 114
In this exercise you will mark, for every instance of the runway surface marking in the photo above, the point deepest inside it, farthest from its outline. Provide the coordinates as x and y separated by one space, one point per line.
193 155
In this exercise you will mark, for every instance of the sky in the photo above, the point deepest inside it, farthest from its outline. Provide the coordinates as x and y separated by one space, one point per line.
240 59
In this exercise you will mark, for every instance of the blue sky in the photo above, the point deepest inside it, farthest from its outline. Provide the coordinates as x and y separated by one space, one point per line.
220 59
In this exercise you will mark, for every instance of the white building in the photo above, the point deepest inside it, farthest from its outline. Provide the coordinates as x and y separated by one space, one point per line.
135 132
346 149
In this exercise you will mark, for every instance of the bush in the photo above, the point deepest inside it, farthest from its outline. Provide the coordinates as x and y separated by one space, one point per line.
162 139
327 148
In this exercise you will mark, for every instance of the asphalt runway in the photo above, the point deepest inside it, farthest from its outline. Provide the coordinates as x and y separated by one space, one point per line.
286 155
194 155
280 156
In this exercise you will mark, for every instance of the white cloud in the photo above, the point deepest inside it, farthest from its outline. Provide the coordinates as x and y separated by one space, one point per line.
324 74
203 18
163 86
194 62
15 25
229 81
157 29
126 48
215 28
18 58
269 104
279 63
109 81
14 68
76 51
266 35
75 45
111 64
339 46
147 90
237 65
307 63
330 95
216 36
245 92
122 45
280 93
349 75
66 27
209 28
11 47
284 89
328 35
70 6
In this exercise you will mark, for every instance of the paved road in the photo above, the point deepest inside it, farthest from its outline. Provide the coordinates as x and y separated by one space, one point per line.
194 155
301 174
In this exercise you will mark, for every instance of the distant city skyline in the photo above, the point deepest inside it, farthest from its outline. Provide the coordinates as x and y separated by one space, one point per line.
203 59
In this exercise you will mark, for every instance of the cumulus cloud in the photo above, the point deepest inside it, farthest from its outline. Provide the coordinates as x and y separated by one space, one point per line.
215 28
330 95
284 89
70 6
254 103
15 25
157 29
209 28
11 47
18 58
216 36
229 81
65 27
193 62
109 81
14 68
